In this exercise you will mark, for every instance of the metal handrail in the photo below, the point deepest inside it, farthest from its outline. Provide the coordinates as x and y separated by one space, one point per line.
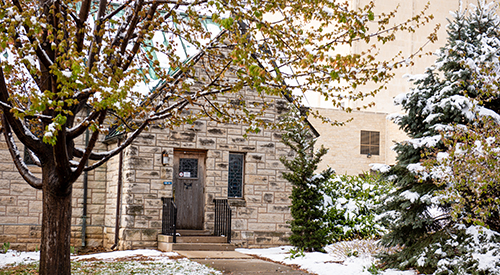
169 218
222 226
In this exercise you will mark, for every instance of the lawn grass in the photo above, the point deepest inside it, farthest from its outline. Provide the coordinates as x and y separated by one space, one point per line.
119 266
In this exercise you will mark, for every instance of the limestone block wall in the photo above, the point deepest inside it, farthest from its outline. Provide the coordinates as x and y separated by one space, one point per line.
21 206
259 217
143 188
110 198
96 198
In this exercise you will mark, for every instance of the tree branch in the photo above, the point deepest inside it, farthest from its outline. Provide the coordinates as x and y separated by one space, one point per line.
84 11
61 157
83 16
88 150
7 108
122 120
181 3
24 134
139 40
35 158
80 128
96 43
16 157
133 24
40 52
118 149
113 13
78 152
72 15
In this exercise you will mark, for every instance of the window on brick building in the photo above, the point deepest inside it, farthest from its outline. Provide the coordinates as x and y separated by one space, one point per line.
370 143
235 175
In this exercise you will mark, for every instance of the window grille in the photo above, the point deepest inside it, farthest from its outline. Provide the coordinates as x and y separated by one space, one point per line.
188 168
370 143
235 175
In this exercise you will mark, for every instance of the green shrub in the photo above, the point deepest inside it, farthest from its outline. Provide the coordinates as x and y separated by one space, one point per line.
349 206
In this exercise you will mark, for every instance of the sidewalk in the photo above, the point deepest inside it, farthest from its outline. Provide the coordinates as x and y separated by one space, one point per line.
232 262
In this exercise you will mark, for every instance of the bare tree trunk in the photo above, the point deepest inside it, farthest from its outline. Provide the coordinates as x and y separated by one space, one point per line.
56 227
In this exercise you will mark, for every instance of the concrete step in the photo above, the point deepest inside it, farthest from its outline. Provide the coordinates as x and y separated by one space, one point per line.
190 232
168 247
192 239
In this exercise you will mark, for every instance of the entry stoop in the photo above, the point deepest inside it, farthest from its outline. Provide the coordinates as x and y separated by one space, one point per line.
190 242
195 240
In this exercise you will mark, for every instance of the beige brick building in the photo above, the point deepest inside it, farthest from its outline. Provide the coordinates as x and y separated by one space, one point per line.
351 148
346 155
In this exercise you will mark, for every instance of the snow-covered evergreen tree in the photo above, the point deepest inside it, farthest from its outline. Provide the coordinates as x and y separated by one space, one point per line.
447 94
307 226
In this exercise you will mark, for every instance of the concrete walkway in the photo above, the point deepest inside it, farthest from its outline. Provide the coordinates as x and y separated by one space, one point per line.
232 262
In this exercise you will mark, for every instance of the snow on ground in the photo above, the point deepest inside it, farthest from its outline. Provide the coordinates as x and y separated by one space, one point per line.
334 262
331 263
155 254
14 257
176 265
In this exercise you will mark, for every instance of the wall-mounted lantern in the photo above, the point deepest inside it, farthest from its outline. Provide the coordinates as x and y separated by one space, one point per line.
164 158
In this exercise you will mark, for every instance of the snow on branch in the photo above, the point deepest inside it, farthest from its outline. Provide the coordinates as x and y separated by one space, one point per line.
18 160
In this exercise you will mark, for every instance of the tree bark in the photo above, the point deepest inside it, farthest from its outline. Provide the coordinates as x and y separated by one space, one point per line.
56 226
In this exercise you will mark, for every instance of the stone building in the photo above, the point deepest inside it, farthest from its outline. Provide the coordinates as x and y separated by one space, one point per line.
119 205
206 161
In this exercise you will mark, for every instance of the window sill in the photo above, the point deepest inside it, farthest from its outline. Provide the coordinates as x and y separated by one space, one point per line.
237 202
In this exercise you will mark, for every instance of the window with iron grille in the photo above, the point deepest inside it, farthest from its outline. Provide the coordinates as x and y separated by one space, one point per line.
370 143
235 175
188 168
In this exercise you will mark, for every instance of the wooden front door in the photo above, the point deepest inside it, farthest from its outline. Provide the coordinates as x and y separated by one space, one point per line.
189 182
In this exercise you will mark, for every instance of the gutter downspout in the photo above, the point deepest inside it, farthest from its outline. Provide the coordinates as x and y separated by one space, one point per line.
118 198
85 192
